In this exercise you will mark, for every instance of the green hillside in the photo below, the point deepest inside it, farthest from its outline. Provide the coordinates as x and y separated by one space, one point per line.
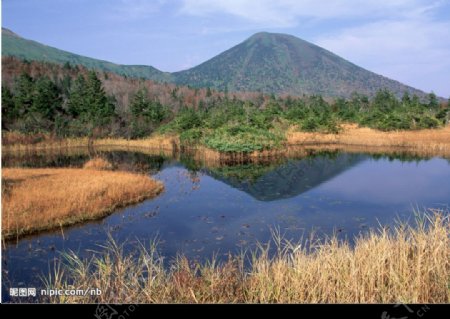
14 45
280 63
266 62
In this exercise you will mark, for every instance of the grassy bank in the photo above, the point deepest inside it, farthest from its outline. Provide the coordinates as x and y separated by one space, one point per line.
14 141
40 199
405 264
427 142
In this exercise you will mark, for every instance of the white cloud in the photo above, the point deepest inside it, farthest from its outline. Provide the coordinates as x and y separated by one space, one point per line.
413 51
134 9
287 13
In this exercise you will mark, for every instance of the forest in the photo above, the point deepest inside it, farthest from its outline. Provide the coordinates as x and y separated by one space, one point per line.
76 103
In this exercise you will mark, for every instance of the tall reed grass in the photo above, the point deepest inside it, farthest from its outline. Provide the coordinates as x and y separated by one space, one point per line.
408 264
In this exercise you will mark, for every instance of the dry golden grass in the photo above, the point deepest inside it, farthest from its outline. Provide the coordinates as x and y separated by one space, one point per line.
432 141
41 199
165 142
407 264
9 156
16 138
13 141
98 163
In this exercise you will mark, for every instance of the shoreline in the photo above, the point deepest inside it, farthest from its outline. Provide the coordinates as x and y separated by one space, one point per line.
429 139
428 142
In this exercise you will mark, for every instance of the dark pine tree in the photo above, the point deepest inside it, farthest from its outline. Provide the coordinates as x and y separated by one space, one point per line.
99 107
24 91
47 99
76 102
8 108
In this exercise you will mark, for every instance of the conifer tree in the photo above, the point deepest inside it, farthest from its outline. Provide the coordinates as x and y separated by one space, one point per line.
76 102
99 108
23 98
47 99
8 107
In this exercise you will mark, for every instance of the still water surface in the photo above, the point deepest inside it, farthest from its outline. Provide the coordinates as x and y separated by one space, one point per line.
216 210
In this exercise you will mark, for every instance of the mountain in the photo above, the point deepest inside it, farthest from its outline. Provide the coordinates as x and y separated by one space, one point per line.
266 62
281 63
14 45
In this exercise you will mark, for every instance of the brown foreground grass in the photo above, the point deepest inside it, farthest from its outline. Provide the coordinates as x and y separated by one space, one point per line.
405 264
42 199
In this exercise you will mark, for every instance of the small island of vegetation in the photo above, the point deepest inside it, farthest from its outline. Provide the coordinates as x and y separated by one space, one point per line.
46 198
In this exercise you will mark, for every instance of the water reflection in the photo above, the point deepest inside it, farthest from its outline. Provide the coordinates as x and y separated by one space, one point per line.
285 180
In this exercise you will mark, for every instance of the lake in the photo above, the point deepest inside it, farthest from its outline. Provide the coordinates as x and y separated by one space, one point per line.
209 210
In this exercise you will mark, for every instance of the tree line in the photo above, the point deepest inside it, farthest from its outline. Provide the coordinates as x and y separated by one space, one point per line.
76 108
81 107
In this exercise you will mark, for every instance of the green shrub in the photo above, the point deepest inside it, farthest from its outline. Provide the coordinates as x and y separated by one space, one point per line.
309 124
242 139
191 136
428 122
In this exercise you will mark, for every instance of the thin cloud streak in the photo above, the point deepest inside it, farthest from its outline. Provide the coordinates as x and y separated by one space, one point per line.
126 10
288 13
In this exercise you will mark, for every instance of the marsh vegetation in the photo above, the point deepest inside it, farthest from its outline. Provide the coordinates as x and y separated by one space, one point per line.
401 265
46 198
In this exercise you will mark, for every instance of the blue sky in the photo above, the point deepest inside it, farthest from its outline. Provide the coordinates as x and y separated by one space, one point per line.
406 40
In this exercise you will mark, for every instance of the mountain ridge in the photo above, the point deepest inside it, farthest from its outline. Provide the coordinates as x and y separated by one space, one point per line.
266 62
15 45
